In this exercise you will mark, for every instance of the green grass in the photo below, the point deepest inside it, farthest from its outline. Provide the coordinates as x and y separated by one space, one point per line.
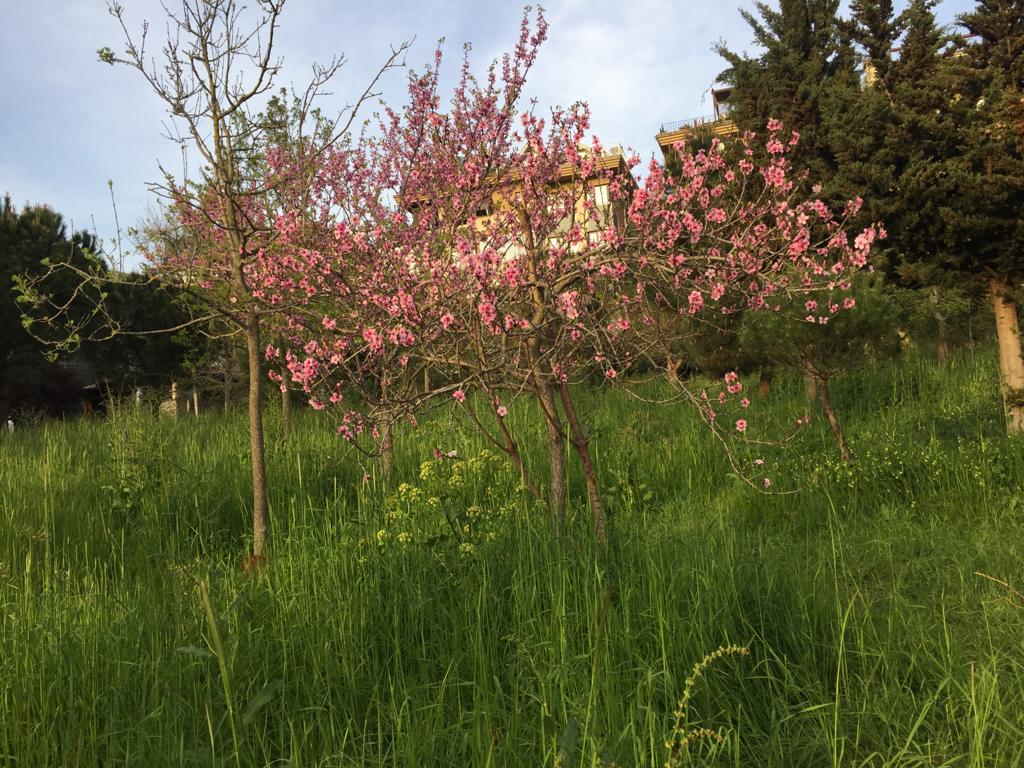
130 636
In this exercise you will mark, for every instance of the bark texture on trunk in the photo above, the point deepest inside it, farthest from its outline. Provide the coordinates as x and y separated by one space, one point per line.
942 348
510 447
387 449
833 420
1011 360
764 382
581 443
257 454
810 387
558 488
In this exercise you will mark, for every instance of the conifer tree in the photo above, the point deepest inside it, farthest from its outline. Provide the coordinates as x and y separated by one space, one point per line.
990 172
804 56
876 28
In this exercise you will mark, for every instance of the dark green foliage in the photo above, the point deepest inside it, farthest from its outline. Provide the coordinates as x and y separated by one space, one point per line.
988 73
40 261
804 57
866 332
30 240
931 139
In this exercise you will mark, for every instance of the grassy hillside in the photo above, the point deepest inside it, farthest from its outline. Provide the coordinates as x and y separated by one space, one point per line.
438 622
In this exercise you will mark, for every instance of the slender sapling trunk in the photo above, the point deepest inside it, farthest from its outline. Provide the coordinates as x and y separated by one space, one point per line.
257 455
833 420
581 443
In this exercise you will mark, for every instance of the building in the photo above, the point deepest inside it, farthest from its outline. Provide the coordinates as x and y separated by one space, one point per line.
610 165
718 124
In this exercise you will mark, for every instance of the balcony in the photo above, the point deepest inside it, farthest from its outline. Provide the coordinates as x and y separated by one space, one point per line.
721 126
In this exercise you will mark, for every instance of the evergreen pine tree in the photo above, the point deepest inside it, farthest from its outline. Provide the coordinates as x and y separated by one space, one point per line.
990 170
874 26
803 56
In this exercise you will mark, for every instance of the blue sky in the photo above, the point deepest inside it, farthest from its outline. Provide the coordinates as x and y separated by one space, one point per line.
70 123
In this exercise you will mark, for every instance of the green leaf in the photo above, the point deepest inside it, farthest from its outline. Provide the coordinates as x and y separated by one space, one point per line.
194 650
569 743
260 700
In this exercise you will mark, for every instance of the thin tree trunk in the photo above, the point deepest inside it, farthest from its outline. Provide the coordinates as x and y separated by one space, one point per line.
260 506
581 443
672 369
387 449
764 383
1011 361
833 420
195 402
556 457
510 448
942 350
810 387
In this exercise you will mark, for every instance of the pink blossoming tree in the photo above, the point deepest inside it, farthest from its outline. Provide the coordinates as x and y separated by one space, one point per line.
499 248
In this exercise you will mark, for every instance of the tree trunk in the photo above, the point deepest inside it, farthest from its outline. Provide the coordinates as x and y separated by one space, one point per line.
764 383
556 457
387 449
942 346
1011 361
672 367
810 387
581 443
833 420
510 448
195 402
260 506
